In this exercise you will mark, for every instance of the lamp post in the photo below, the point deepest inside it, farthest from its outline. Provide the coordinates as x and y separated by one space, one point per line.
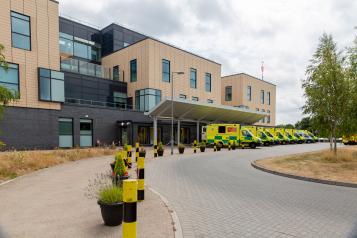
172 109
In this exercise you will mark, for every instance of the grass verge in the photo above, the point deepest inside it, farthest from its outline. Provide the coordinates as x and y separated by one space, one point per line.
320 165
17 163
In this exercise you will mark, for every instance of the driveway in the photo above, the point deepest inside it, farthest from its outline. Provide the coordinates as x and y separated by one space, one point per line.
221 195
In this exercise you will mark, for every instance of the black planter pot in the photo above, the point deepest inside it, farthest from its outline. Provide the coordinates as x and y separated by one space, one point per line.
218 148
112 165
112 214
142 154
233 147
160 152
202 149
181 150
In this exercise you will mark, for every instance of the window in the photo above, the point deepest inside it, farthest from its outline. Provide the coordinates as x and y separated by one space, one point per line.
262 96
66 43
249 93
228 93
116 73
268 94
65 132
221 129
195 99
165 70
10 78
51 85
257 109
120 99
86 132
208 82
193 78
209 101
81 50
145 99
268 118
263 119
20 31
133 71
182 96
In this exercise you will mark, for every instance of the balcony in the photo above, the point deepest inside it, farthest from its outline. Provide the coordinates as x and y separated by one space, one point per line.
84 102
86 68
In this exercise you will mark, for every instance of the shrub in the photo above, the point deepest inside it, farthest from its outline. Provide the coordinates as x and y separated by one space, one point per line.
160 146
102 189
111 194
203 144
181 146
119 168
142 150
125 147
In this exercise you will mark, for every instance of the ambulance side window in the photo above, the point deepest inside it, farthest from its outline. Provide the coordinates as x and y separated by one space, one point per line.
221 129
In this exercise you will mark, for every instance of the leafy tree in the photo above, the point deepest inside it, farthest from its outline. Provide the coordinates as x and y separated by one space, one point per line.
5 95
304 124
287 126
327 89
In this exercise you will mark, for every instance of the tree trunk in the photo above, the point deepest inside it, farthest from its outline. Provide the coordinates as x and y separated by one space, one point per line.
330 139
335 142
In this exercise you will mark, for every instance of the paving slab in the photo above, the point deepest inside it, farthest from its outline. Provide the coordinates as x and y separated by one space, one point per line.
51 203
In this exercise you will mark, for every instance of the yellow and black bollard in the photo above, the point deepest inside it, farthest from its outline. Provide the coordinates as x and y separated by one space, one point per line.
137 151
155 148
141 176
129 217
214 147
129 155
194 146
229 145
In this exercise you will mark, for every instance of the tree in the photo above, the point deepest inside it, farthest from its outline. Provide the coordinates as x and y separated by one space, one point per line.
287 126
5 95
304 124
327 89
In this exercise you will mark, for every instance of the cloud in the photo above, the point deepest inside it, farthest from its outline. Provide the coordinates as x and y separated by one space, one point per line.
238 34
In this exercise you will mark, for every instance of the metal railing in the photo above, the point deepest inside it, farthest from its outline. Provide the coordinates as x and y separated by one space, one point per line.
118 105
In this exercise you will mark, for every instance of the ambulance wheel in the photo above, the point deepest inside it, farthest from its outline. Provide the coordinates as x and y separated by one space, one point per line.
252 145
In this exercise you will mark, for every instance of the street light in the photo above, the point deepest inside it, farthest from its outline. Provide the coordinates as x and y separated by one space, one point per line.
172 109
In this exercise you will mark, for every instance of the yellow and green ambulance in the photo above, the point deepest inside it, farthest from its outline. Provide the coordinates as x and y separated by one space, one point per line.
266 140
229 133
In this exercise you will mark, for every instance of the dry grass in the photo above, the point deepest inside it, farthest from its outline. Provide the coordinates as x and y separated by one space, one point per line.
16 163
322 164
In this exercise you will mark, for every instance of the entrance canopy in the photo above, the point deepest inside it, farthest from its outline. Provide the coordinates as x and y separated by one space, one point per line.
185 110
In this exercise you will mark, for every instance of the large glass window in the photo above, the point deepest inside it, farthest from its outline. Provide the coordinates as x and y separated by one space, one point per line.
146 99
268 95
165 70
133 71
193 78
208 82
86 133
10 78
116 73
65 131
120 99
20 31
81 50
262 96
249 93
51 85
66 43
228 93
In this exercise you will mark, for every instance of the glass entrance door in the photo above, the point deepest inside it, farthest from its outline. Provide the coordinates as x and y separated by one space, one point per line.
86 133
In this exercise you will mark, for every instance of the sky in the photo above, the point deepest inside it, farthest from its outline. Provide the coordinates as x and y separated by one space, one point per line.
238 34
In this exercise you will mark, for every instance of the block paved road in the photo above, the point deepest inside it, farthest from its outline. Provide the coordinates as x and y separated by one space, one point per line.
221 195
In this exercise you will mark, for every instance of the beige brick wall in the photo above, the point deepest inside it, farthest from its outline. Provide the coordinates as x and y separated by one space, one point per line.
240 83
44 46
149 54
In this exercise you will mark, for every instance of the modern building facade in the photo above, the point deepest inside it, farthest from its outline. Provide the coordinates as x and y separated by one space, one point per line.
81 86
245 91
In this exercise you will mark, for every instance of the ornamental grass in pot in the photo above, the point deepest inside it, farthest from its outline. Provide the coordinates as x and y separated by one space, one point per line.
181 148
109 198
219 146
202 146
160 149
234 145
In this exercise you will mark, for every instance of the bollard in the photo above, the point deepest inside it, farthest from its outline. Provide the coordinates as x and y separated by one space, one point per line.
129 216
214 147
229 145
136 151
141 176
129 155
155 148
194 146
